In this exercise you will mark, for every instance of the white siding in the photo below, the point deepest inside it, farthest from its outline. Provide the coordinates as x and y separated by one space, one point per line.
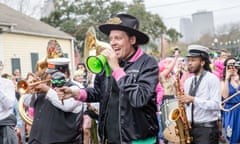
21 46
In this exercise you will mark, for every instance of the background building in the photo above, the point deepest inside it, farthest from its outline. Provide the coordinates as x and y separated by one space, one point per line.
192 30
23 41
203 23
186 29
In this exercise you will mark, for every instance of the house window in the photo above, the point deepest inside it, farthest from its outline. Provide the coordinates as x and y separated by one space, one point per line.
16 64
66 55
34 60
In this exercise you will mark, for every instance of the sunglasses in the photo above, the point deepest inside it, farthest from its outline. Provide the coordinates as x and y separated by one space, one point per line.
234 65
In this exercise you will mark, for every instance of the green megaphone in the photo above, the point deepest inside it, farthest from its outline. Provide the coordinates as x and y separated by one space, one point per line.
96 64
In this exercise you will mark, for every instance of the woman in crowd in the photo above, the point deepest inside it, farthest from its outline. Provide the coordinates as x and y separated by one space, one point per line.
167 80
230 86
166 69
81 68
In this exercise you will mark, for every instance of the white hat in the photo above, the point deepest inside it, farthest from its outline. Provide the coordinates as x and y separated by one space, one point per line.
197 50
57 64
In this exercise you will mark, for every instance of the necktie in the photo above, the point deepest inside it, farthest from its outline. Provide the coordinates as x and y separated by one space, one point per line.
195 82
193 86
194 93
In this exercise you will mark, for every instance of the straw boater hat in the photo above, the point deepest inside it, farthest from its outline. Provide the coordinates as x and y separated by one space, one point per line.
57 64
198 50
127 23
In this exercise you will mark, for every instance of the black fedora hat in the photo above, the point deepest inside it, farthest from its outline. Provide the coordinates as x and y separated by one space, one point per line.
127 23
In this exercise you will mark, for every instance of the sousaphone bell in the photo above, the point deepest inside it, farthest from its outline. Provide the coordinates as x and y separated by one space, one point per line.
95 62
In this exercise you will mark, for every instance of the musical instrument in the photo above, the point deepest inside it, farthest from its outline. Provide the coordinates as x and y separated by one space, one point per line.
179 116
58 80
23 86
53 51
23 112
41 68
169 131
96 63
93 46
227 99
93 130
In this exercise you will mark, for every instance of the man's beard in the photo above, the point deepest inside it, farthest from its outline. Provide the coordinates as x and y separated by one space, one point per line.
196 70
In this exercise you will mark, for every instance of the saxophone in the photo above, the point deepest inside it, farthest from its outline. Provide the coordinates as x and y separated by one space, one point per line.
180 117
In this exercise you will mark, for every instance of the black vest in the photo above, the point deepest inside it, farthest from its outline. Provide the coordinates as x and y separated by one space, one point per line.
52 125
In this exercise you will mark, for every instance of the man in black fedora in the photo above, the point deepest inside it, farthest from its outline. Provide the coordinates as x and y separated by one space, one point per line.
127 98
202 97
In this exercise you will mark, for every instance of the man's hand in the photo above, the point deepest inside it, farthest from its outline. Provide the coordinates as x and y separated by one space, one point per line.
186 98
41 88
111 58
64 92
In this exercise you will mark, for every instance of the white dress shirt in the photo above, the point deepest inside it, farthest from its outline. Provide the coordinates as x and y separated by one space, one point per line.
69 105
207 99
7 97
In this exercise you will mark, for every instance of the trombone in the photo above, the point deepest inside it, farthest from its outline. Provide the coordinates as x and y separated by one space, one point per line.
227 99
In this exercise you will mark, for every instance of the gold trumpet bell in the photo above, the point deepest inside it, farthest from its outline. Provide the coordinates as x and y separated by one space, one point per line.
22 86
92 46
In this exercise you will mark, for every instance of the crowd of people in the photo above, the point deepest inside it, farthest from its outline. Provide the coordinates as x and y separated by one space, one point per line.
134 105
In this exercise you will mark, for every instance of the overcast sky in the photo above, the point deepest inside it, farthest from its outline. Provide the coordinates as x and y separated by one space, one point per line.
224 11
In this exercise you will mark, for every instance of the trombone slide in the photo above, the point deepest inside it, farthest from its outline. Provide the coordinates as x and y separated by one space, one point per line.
227 99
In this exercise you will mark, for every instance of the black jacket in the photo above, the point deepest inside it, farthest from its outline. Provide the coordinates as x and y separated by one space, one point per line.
137 99
52 125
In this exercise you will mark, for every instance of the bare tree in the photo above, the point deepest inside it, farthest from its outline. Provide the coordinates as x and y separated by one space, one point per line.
29 7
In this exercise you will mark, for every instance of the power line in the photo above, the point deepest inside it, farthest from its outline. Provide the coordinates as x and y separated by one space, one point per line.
171 4
216 10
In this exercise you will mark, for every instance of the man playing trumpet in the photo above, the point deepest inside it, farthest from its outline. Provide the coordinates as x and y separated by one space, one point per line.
55 121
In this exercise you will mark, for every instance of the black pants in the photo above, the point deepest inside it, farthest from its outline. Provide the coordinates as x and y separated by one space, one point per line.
205 135
1 135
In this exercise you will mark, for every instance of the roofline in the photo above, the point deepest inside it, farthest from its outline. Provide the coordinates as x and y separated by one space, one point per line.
7 24
38 34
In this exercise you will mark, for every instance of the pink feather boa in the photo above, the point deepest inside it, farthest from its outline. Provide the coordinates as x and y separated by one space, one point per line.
219 66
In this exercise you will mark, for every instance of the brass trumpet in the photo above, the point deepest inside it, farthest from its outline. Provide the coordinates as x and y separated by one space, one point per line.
227 99
23 86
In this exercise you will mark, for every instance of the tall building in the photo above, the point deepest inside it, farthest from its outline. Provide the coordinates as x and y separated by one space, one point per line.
203 23
186 29
47 8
